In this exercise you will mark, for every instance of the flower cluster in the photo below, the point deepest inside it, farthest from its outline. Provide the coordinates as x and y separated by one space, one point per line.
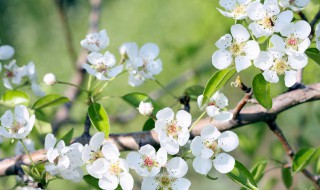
288 41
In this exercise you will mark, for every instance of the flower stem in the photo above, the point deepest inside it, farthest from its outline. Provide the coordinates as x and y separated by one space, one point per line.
27 152
198 119
70 84
165 89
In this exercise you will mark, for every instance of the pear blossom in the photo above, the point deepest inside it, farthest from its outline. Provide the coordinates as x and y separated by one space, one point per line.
171 178
96 41
275 62
267 18
294 5
296 38
145 108
172 131
207 149
13 74
31 73
17 125
102 66
64 160
49 79
28 188
235 48
19 149
215 105
142 64
318 36
6 52
234 9
147 162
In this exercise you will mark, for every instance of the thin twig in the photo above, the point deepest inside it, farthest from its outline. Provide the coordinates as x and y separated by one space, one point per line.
313 23
242 103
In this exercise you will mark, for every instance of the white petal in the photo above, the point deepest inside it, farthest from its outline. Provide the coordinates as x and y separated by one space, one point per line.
221 59
109 182
239 33
298 61
154 67
228 4
224 163
110 59
206 153
171 146
134 160
86 153
183 136
130 49
228 141
252 49
202 166
177 167
165 114
149 51
256 11
89 69
270 76
263 61
272 7
303 46
224 41
290 78
181 184
183 119
199 101
196 145
220 100
96 141
149 183
162 156
115 71
49 141
277 42
21 114
126 181
6 52
242 63
7 119
210 133
302 29
223 116
97 168
228 14
283 20
94 58
110 151
147 150
212 110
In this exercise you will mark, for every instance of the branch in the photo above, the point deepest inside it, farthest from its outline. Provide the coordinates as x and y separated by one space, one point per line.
289 151
313 23
248 115
78 79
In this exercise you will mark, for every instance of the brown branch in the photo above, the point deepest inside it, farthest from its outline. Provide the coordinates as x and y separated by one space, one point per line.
248 94
313 23
290 152
78 79
248 115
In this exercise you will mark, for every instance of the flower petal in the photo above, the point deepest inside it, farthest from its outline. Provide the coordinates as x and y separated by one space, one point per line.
21 114
7 119
224 42
224 163
181 184
290 78
242 63
210 133
165 114
202 166
196 146
177 167
221 59
126 181
223 116
183 119
228 141
96 141
239 33
149 51
270 76
298 61
252 49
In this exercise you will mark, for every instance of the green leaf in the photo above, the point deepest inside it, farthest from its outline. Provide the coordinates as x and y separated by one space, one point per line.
148 125
318 166
216 82
286 177
302 158
258 170
92 182
99 118
314 54
242 176
194 91
49 100
261 90
135 98
68 137
15 97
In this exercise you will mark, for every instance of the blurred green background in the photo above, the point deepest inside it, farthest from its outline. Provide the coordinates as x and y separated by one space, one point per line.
185 31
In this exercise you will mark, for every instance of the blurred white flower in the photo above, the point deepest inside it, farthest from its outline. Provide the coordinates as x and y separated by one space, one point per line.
49 79
234 9
172 131
235 47
13 74
16 125
295 5
207 149
267 18
147 162
96 41
145 108
215 105
19 150
6 52
102 66
318 36
172 178
27 188
31 73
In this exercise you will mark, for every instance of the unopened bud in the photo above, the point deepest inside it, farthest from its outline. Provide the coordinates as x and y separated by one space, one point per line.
145 108
49 79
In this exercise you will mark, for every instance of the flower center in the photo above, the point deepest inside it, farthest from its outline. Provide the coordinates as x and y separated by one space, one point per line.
96 155
15 127
165 181
267 23
101 67
280 66
148 162
212 145
292 42
115 169
239 10
173 129
9 74
56 160
237 48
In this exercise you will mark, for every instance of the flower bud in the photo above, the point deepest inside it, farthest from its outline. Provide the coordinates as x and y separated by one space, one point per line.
49 79
145 108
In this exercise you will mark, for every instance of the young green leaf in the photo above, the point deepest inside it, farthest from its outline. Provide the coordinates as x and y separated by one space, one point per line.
92 182
242 176
194 91
148 125
216 82
68 137
258 170
314 54
286 177
302 158
261 90
135 98
49 100
15 97
99 118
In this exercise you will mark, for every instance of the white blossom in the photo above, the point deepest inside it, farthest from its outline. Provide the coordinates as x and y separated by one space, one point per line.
236 9
6 52
49 79
96 41
147 162
295 5
16 125
28 188
13 74
145 108
235 48
208 150
215 105
172 131
318 36
171 178
102 66
267 18
19 149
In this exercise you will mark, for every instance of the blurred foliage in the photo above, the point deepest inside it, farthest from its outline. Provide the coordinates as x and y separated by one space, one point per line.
185 32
